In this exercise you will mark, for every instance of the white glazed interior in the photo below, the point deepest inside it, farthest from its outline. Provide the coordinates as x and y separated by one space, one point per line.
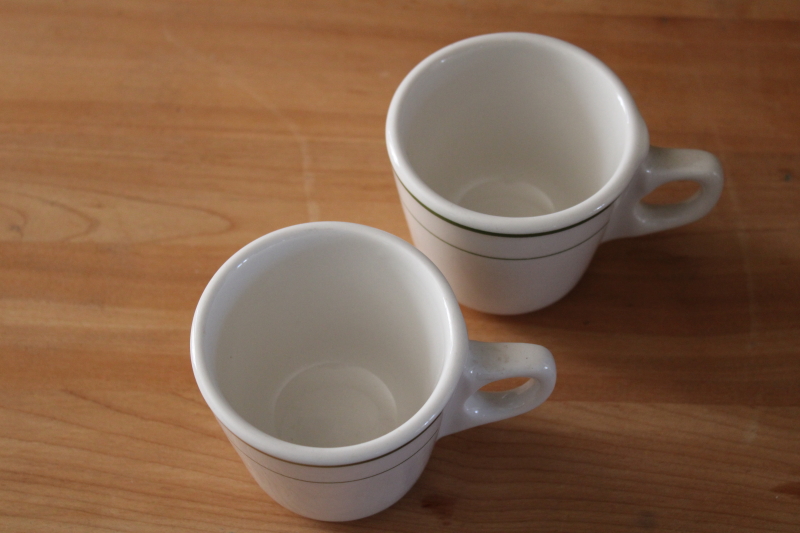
348 328
494 131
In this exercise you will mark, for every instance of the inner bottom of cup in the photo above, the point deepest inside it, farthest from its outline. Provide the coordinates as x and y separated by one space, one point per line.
334 404
505 197
329 338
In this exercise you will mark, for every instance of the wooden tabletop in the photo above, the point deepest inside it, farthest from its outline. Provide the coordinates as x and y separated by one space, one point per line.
143 142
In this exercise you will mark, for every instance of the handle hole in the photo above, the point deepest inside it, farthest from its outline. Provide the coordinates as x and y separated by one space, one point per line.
506 400
505 385
673 192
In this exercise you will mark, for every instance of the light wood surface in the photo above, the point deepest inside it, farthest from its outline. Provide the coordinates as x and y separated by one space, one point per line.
142 143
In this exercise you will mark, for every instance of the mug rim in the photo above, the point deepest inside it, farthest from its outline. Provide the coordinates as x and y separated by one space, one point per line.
635 149
346 455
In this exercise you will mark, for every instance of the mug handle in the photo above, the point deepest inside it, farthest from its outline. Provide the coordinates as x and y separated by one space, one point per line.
632 217
492 361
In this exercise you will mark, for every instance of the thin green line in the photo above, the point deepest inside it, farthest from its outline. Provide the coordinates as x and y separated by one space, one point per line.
505 258
349 480
491 233
420 434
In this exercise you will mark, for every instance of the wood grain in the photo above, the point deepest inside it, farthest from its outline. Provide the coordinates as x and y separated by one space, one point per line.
143 142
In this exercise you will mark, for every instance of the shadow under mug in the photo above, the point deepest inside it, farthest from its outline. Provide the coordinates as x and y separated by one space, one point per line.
515 155
334 355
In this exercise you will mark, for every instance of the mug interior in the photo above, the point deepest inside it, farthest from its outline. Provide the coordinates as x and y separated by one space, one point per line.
513 125
326 339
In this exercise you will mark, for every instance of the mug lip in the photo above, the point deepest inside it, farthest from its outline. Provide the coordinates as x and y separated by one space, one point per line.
635 149
227 416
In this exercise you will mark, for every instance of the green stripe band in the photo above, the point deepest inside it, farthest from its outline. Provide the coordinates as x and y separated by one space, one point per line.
349 480
494 234
504 258
419 435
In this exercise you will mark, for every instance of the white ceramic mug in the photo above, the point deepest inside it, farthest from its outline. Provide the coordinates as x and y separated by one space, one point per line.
334 355
516 155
